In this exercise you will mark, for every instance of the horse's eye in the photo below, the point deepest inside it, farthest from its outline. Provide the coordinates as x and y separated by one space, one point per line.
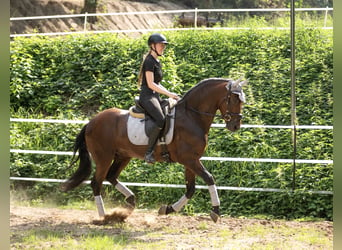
235 99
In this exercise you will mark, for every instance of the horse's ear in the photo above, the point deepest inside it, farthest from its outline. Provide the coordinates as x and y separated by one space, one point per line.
239 82
236 83
245 82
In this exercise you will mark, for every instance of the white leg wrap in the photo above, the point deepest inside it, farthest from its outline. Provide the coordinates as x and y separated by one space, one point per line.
123 189
180 204
215 201
99 205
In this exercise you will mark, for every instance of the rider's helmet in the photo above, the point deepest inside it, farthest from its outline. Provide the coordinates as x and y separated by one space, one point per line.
156 38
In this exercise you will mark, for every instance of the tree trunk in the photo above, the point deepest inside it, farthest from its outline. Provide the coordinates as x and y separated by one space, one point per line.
90 7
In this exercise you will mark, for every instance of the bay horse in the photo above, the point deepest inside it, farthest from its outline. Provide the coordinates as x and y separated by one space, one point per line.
104 139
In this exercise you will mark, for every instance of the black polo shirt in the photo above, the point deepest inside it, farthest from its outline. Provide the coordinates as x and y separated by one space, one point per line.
150 64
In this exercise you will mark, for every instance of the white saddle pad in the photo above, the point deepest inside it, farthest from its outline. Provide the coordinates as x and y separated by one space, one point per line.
136 130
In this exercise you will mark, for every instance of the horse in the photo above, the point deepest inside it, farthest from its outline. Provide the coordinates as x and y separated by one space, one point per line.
104 140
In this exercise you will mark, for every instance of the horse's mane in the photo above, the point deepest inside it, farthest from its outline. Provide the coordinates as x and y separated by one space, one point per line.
201 84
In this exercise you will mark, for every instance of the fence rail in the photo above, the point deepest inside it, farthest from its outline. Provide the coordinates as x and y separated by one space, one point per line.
205 158
195 11
246 189
168 12
215 125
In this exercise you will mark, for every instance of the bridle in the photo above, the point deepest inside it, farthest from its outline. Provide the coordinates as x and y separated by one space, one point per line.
227 116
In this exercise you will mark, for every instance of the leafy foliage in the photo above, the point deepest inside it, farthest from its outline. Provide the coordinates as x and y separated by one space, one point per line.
74 77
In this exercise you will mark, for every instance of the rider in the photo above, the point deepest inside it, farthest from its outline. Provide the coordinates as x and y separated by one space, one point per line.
150 77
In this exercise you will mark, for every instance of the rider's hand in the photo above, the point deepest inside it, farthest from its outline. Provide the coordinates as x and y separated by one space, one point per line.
174 96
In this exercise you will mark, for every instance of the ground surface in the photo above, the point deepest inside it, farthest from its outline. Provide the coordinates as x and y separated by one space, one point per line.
143 228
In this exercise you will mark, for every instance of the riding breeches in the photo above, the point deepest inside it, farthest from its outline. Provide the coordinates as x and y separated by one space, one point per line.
152 106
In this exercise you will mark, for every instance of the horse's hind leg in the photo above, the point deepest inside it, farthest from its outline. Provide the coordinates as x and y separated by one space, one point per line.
115 169
102 168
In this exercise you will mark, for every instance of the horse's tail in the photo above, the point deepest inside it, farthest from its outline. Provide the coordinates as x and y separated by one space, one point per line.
84 168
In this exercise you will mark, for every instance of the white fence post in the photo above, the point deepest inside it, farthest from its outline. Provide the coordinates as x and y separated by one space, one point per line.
195 18
326 16
85 21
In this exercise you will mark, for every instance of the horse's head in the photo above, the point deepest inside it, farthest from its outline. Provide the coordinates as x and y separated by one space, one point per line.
231 105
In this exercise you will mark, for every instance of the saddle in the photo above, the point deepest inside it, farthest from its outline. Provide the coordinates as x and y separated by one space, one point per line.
137 111
140 124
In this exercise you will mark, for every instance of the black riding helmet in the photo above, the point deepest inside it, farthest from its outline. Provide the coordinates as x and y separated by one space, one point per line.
156 38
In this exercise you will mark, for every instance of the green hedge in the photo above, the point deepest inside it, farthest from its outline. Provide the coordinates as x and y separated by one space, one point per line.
74 77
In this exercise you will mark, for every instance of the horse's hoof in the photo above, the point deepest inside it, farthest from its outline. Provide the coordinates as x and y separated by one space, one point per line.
162 210
100 222
214 216
130 202
166 209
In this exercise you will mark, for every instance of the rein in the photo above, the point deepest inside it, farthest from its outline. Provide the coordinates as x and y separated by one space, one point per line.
226 117
203 113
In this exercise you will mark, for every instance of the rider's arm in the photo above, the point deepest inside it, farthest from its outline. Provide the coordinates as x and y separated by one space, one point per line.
158 87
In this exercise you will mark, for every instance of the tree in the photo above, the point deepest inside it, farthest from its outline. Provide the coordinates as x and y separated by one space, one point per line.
90 6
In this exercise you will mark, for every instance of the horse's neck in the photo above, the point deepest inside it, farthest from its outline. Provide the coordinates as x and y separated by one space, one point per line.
205 99
203 107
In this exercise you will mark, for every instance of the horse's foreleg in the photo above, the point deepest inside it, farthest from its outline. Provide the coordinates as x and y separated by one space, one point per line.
200 170
190 190
113 173
215 201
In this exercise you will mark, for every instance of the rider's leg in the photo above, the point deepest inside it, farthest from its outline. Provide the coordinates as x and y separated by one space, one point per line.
152 141
153 108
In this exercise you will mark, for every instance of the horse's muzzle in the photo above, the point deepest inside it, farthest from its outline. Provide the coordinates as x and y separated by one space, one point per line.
233 121
233 125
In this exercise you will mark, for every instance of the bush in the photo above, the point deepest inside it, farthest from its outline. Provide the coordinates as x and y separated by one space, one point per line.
74 77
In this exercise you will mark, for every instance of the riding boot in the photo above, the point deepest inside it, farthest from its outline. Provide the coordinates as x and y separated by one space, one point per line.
152 141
